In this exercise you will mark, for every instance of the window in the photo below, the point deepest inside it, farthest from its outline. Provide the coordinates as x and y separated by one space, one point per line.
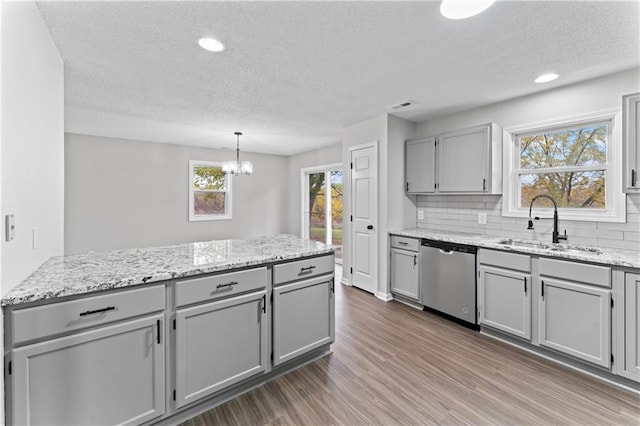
209 191
576 162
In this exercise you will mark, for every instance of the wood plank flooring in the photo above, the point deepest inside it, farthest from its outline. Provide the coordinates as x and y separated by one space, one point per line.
392 364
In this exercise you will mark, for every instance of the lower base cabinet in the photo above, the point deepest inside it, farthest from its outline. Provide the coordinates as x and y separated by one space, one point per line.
576 319
219 344
405 273
110 375
504 300
631 368
303 317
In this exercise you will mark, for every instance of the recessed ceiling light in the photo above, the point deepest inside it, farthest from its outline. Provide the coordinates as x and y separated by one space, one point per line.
545 78
211 44
461 9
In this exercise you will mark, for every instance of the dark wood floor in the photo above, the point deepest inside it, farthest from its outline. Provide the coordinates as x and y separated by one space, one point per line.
392 364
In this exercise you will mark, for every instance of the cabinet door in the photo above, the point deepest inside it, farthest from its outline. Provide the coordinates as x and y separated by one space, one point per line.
632 327
463 160
303 317
405 278
504 301
110 375
576 319
631 140
420 166
219 344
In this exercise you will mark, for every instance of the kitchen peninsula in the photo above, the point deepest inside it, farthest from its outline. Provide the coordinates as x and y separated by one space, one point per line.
148 335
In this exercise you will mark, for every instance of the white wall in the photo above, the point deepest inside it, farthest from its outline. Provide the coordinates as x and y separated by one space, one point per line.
32 141
123 194
317 157
459 213
31 148
395 209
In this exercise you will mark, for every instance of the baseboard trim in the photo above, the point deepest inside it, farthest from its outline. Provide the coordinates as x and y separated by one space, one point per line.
387 297
345 281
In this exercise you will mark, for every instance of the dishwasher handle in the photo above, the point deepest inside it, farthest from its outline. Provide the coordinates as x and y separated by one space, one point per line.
449 248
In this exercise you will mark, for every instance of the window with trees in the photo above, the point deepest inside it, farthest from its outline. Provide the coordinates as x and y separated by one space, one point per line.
209 191
571 161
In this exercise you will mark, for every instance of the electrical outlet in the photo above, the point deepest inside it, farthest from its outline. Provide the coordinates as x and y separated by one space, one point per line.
482 218
420 214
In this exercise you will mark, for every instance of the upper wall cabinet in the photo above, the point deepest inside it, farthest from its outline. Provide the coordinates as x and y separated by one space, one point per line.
420 165
467 161
631 140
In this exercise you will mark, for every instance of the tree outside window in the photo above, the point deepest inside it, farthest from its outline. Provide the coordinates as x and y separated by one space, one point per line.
569 164
209 191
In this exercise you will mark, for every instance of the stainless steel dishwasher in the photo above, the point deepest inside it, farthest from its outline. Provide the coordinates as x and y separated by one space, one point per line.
448 279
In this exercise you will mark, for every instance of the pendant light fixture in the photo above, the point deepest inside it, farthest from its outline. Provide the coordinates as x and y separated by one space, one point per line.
237 167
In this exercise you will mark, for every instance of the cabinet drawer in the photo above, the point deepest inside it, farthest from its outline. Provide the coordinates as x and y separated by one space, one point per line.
217 286
518 262
412 244
63 317
579 272
303 269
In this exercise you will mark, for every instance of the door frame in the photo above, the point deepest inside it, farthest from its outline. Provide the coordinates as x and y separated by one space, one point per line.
351 247
304 195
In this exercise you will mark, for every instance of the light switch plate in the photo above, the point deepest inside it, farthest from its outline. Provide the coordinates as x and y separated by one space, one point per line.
420 214
10 227
482 218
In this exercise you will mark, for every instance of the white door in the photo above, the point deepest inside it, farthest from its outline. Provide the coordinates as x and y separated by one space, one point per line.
364 217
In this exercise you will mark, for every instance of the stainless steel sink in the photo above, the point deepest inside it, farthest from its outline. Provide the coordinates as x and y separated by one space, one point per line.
523 243
551 247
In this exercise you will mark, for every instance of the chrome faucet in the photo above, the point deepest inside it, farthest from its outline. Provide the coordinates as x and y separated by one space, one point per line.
555 237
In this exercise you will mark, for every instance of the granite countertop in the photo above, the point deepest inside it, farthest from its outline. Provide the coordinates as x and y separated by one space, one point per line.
84 273
599 255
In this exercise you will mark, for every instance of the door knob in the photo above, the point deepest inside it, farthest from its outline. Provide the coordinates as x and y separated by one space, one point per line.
369 226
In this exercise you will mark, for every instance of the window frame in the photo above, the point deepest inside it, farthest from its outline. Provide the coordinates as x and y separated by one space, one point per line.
615 199
228 214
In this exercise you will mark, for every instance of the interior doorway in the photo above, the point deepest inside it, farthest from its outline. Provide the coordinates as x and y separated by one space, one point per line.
322 203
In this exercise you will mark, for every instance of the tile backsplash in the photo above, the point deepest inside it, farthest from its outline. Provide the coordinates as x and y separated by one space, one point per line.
459 213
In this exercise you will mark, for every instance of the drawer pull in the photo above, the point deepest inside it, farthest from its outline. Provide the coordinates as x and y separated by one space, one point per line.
232 283
403 243
97 311
307 269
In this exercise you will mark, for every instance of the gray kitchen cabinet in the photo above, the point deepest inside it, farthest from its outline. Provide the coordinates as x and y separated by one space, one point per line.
420 166
576 319
303 317
466 161
631 367
109 375
405 267
470 160
631 142
504 292
303 307
218 344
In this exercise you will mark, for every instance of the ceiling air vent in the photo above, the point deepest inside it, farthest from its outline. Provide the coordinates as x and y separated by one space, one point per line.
404 104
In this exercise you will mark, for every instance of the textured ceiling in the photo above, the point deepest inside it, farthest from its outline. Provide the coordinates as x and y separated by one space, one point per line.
294 73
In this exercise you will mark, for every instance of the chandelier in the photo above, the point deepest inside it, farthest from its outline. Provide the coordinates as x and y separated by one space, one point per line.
237 167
